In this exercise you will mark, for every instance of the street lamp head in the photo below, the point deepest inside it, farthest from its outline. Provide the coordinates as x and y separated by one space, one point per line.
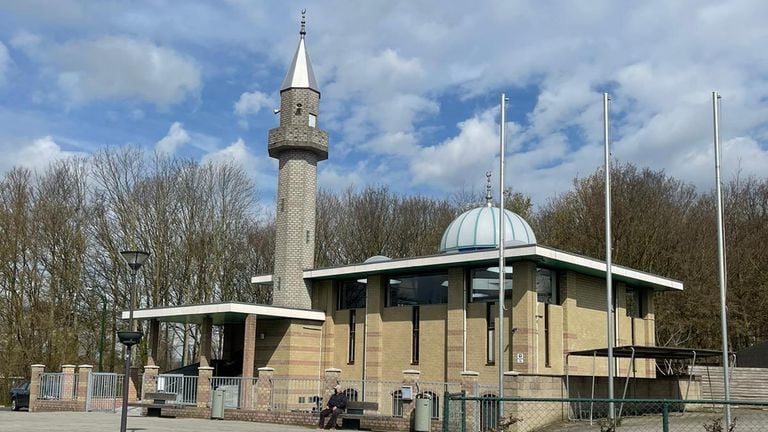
135 259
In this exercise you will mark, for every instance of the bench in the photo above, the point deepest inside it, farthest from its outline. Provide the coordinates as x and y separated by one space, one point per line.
355 411
159 400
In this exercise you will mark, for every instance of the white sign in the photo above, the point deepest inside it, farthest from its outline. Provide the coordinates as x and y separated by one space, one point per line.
520 357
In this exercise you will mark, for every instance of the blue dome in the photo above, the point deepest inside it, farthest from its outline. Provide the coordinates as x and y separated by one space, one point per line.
478 229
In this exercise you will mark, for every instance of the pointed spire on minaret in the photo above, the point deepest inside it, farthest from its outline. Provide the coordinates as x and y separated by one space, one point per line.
488 196
300 74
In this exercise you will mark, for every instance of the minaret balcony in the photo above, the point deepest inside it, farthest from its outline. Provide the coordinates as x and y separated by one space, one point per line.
298 138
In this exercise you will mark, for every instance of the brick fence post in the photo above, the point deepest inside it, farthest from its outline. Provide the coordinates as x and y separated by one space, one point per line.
34 385
204 375
331 379
514 386
83 380
149 380
469 387
263 389
68 382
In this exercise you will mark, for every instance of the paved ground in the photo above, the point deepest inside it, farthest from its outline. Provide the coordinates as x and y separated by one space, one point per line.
22 421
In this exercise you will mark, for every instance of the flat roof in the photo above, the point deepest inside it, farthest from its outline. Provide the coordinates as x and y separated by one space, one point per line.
646 352
543 255
223 313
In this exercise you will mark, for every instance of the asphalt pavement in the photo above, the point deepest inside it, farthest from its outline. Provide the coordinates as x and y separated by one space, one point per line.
23 421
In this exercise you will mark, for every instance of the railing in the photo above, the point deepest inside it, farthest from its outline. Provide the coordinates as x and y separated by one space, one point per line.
184 386
630 415
232 386
290 394
57 386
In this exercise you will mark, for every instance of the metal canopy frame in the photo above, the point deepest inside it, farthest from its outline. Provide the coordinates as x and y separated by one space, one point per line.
633 352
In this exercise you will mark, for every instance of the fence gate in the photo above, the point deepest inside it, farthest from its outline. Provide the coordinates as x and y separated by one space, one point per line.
104 392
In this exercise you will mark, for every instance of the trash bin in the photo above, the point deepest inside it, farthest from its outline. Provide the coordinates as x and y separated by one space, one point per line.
422 415
217 404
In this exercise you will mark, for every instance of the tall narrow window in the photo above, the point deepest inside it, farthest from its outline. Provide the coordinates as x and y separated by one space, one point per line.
351 347
546 335
415 336
312 120
490 335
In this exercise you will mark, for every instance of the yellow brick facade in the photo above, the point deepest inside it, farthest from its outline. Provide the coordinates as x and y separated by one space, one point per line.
536 343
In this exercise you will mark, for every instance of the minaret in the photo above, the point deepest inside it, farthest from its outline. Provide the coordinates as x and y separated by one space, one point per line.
298 144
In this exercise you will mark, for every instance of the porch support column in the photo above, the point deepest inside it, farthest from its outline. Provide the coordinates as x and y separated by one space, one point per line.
154 340
249 360
206 333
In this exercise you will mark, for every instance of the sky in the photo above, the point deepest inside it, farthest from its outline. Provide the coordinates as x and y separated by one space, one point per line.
410 89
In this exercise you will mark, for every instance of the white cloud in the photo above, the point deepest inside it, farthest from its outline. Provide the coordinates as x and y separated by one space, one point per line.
175 138
35 155
259 168
113 67
250 104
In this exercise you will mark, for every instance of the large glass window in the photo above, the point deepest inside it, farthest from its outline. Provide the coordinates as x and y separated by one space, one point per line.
484 285
418 290
546 285
350 294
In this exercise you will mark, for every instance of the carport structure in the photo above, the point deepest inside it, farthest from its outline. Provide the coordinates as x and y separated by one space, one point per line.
257 335
633 352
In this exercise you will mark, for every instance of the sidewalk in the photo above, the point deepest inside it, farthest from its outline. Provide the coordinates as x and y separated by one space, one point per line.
23 421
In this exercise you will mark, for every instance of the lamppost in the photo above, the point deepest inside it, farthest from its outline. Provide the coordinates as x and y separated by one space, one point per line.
135 259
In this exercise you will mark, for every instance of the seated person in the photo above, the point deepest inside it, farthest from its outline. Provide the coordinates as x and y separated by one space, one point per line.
336 404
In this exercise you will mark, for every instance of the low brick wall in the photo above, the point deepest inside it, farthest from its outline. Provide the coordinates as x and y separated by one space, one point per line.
189 412
59 405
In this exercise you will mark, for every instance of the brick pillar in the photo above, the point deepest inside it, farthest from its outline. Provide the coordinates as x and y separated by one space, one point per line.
519 355
206 332
264 389
83 378
68 382
134 391
410 378
204 374
249 358
34 385
469 387
374 362
454 324
149 380
154 338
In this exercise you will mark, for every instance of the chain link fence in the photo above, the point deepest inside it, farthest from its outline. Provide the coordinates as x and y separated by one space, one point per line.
481 414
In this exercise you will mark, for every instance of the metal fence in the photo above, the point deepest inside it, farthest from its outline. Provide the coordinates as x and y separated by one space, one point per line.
388 394
631 415
104 392
302 395
232 387
184 386
57 386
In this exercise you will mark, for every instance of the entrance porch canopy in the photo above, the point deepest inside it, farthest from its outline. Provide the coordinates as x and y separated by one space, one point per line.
222 313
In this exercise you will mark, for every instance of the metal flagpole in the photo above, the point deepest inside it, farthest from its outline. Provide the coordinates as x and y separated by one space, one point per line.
502 266
608 253
721 256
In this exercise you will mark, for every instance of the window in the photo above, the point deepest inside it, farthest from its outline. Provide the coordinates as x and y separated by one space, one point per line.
484 285
546 336
350 294
397 403
634 308
490 337
418 290
312 120
351 345
435 402
415 336
546 285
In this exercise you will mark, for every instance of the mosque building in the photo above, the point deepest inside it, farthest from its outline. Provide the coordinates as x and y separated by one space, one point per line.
433 316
